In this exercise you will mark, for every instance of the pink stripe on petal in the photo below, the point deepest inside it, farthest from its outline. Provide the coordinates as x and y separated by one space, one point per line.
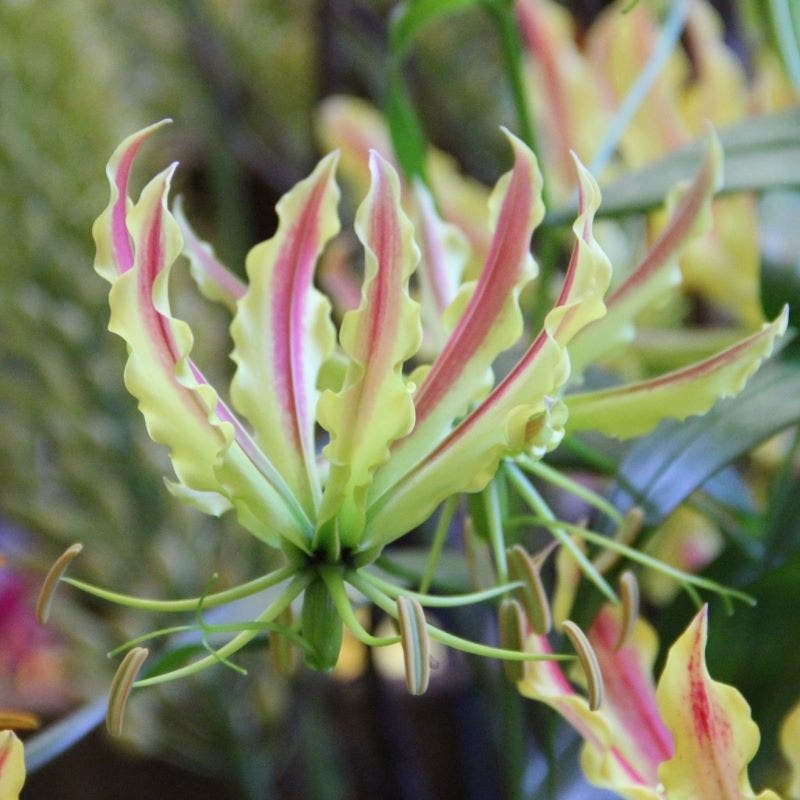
630 696
674 236
501 273
292 281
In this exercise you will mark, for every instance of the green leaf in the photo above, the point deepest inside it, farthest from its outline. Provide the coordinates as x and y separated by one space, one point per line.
405 128
411 17
760 152
663 469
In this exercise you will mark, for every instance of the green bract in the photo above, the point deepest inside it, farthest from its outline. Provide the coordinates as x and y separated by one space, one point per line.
398 442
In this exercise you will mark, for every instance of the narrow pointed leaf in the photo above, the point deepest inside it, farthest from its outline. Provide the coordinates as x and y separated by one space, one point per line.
213 278
635 409
282 332
511 418
658 271
374 407
489 319
715 738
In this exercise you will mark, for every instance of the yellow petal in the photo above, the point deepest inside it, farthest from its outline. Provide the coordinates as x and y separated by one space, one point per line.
12 766
715 737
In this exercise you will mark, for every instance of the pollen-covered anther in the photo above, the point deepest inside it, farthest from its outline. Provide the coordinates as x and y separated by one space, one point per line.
589 663
18 720
629 597
511 625
121 687
415 642
524 568
625 534
54 575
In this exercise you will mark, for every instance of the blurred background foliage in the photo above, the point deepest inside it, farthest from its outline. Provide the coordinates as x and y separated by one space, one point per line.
243 80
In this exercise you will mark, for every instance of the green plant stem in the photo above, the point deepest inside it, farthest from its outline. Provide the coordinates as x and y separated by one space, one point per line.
437 544
642 558
451 640
537 504
494 521
542 470
439 601
502 14
270 613
335 583
192 603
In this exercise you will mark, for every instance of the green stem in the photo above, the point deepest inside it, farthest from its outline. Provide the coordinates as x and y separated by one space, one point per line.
542 470
437 544
494 519
502 14
271 612
647 561
537 504
434 601
335 583
450 639
192 603
223 627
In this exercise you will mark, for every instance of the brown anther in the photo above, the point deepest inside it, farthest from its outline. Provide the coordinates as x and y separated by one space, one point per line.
522 567
121 687
629 595
589 664
51 580
415 642
18 720
511 625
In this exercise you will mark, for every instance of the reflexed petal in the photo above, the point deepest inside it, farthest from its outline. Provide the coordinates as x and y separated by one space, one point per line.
603 761
282 332
658 271
210 452
489 320
715 738
443 255
504 423
564 97
635 409
629 702
12 766
374 407
213 278
354 128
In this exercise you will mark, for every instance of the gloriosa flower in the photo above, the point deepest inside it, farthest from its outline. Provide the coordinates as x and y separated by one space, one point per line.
401 437
689 737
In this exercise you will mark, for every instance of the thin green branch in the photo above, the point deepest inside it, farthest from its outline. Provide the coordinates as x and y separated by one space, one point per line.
335 583
647 561
440 601
190 604
494 519
450 639
537 504
270 613
437 543
553 476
